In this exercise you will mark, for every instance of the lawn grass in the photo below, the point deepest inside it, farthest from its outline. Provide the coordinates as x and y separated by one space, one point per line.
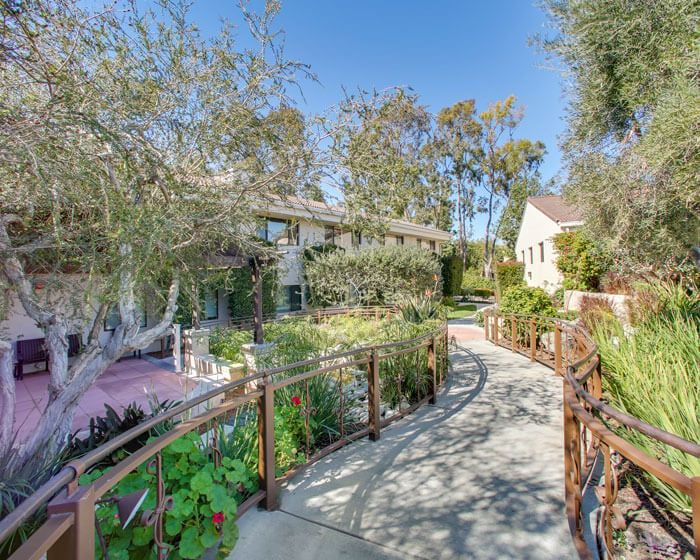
461 312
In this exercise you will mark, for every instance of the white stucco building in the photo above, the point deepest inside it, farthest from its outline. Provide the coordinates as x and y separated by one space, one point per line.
544 217
292 224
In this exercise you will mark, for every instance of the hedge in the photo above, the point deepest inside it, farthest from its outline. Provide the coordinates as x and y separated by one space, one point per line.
375 276
452 271
508 275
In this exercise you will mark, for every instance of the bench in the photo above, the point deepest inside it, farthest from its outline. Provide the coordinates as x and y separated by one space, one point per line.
33 350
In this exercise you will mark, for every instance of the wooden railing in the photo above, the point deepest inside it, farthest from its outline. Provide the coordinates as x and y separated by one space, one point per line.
569 350
69 530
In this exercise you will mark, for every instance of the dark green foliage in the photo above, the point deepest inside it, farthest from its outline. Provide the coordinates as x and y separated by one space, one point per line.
508 274
239 289
452 271
374 276
199 491
580 260
527 301
105 428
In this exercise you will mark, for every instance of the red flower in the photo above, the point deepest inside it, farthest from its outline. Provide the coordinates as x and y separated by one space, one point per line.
296 401
218 518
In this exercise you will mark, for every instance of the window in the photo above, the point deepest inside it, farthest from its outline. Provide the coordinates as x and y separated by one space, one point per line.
279 231
523 254
531 259
331 235
542 251
432 245
210 309
419 243
356 239
529 275
113 319
399 239
289 298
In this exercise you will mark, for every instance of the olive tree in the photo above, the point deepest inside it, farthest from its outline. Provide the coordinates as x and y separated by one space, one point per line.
632 145
116 127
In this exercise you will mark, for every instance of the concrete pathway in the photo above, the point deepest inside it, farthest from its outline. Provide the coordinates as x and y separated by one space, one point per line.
479 475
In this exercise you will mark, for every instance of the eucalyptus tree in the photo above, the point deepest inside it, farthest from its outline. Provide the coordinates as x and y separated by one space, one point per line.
486 162
115 127
633 142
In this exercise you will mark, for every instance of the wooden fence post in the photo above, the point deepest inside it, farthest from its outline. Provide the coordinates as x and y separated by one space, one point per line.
432 372
495 329
533 340
78 542
513 334
375 420
266 446
557 349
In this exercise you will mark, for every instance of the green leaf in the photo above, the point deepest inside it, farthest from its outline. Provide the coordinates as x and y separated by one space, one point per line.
143 535
210 536
219 498
181 445
202 482
173 526
190 545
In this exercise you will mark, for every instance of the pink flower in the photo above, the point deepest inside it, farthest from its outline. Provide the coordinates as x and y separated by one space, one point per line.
218 518
296 401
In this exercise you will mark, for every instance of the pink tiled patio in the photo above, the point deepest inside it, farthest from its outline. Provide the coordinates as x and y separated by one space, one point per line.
128 381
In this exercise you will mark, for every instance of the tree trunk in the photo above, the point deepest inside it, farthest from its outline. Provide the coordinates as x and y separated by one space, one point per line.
7 397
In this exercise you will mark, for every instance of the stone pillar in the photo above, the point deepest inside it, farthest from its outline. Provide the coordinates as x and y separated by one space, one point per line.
252 354
177 345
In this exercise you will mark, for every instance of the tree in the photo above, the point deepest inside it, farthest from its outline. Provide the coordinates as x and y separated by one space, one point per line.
528 156
633 148
456 130
484 165
381 157
115 128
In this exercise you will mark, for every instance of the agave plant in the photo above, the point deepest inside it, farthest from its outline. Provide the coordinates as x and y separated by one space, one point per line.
419 309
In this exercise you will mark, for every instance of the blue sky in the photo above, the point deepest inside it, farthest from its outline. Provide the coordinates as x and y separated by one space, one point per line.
447 51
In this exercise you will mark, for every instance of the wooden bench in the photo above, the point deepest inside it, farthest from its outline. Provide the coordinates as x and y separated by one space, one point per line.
33 350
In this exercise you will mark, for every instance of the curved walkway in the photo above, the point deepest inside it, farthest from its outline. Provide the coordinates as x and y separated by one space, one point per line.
479 475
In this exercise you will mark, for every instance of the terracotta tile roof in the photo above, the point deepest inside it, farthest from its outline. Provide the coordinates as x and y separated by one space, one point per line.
554 207
336 209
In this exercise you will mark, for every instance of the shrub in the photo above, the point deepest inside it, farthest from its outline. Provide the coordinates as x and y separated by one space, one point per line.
473 280
452 271
508 274
239 288
595 313
374 276
199 491
226 343
662 298
527 301
479 318
484 293
581 262
653 374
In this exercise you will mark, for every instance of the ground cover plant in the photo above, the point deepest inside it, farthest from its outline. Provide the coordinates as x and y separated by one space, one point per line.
652 372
